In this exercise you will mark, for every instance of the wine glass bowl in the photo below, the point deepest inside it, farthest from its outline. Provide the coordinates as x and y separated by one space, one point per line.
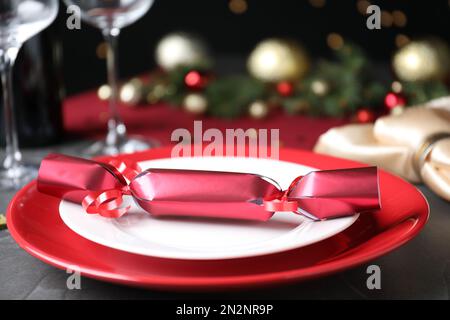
19 21
105 14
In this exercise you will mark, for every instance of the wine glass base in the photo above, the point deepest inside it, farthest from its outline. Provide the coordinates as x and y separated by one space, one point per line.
129 145
15 178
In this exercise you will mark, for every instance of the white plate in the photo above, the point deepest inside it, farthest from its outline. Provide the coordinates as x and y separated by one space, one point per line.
184 238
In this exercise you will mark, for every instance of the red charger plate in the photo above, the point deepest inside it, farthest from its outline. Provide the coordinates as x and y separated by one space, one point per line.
34 222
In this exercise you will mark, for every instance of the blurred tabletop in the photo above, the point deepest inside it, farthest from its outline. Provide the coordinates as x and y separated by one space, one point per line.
418 270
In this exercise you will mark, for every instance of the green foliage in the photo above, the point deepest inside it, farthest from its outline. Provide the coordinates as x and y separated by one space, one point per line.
350 83
418 92
230 97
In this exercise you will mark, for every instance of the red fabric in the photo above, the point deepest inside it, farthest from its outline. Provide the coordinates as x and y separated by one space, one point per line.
86 116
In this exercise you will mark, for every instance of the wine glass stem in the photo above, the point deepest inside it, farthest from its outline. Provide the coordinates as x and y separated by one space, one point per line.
116 128
13 156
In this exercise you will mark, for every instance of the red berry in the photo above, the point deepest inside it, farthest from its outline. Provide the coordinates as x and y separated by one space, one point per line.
195 80
285 88
365 116
393 100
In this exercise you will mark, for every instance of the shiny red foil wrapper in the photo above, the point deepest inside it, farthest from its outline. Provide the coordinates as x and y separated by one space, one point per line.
172 192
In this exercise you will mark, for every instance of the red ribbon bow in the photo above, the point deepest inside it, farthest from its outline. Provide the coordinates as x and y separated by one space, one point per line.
280 202
109 203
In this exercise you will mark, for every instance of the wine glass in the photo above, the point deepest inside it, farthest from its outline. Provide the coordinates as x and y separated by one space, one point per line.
110 16
19 21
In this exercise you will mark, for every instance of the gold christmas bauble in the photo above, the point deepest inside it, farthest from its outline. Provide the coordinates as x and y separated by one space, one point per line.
157 92
181 49
276 60
104 92
258 109
195 103
2 222
319 87
397 110
131 92
422 60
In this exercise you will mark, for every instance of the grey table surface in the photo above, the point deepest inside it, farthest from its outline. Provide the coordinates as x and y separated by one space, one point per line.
418 270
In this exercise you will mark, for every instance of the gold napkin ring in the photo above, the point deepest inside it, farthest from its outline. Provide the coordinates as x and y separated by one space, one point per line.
424 150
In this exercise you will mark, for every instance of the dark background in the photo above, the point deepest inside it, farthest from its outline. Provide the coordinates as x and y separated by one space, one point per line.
234 35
